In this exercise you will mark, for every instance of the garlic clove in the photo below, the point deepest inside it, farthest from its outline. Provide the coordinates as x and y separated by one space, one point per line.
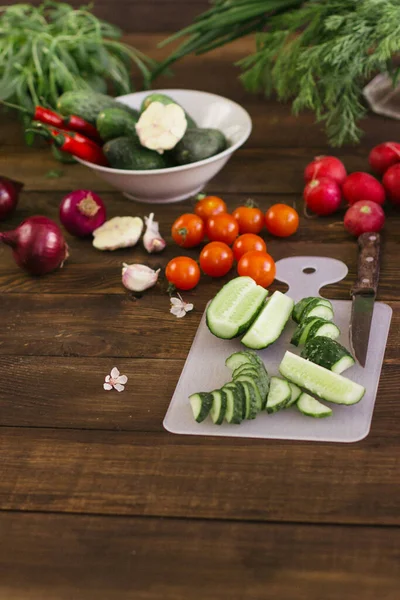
152 240
138 278
161 126
119 232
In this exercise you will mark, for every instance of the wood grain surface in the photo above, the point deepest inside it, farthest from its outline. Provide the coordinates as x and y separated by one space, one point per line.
97 501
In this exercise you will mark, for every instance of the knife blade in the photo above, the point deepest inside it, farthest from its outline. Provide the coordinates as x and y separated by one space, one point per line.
364 293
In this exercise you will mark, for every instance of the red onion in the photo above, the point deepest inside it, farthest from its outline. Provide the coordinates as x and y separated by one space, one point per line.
81 212
9 192
38 245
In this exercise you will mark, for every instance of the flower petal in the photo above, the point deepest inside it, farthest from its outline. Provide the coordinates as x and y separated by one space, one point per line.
175 310
107 378
114 373
122 379
181 313
188 307
107 386
176 302
119 387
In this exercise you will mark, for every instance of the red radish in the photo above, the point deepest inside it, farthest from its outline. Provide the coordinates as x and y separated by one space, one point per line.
38 245
384 156
322 196
9 192
81 212
391 182
364 216
363 186
325 166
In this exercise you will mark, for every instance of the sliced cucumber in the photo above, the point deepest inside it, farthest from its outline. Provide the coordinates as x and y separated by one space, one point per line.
235 399
318 307
201 404
295 394
279 394
300 306
235 307
320 381
328 353
311 327
248 362
251 381
269 324
312 408
218 409
239 359
251 400
260 378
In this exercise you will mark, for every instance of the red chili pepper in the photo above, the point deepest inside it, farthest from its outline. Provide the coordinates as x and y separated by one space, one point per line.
74 143
76 123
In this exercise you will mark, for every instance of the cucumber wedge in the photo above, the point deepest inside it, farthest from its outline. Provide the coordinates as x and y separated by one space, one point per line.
328 353
235 399
201 404
312 408
319 381
295 394
235 307
218 409
311 327
269 324
279 394
300 306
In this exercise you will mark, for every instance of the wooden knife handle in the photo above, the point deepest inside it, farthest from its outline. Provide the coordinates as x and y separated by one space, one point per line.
368 264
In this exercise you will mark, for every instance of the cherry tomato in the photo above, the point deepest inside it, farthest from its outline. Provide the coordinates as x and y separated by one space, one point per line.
183 272
246 243
281 220
260 266
209 206
222 228
216 259
249 218
188 230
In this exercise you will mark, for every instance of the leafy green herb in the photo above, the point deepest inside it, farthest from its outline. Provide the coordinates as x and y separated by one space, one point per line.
319 54
53 48
54 174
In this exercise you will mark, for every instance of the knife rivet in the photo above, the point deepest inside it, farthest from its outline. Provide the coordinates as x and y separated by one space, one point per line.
365 280
369 259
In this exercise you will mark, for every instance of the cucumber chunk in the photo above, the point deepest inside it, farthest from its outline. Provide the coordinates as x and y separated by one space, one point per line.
270 323
318 307
328 353
279 394
201 404
235 307
312 408
300 306
320 381
218 409
295 394
235 400
311 327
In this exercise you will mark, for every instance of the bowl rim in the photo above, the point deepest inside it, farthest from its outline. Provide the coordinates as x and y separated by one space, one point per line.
180 168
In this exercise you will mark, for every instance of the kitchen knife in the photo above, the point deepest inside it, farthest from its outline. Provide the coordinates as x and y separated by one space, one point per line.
364 293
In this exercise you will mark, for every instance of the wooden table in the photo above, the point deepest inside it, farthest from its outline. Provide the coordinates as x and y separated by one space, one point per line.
97 500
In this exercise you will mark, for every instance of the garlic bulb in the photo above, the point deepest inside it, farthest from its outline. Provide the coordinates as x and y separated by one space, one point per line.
138 278
152 240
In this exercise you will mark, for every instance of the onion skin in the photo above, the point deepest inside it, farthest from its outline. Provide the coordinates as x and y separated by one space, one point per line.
81 212
9 193
38 245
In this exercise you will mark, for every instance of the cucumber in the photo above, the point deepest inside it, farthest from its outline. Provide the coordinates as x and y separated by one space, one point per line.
235 307
251 400
299 307
164 99
320 381
235 402
295 394
126 153
328 353
260 377
88 105
198 144
114 122
218 408
316 308
244 357
311 327
279 394
250 380
312 408
201 404
270 323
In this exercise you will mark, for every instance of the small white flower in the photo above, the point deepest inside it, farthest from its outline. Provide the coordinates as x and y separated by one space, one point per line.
115 380
179 308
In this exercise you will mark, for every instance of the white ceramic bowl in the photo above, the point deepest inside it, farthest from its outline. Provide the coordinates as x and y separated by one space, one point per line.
177 183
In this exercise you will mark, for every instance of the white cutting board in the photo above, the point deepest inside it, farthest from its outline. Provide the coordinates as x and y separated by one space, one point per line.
205 369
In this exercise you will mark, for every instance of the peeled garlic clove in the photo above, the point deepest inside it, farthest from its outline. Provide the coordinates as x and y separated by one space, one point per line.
138 278
119 232
161 126
152 240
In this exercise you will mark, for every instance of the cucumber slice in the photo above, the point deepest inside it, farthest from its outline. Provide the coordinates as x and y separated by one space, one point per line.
295 394
201 404
321 382
260 377
299 307
318 307
253 383
328 353
312 408
279 394
269 324
251 400
235 399
239 359
235 307
218 409
311 327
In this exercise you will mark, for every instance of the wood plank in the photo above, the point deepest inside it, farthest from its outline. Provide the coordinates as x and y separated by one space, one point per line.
95 557
159 474
68 393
